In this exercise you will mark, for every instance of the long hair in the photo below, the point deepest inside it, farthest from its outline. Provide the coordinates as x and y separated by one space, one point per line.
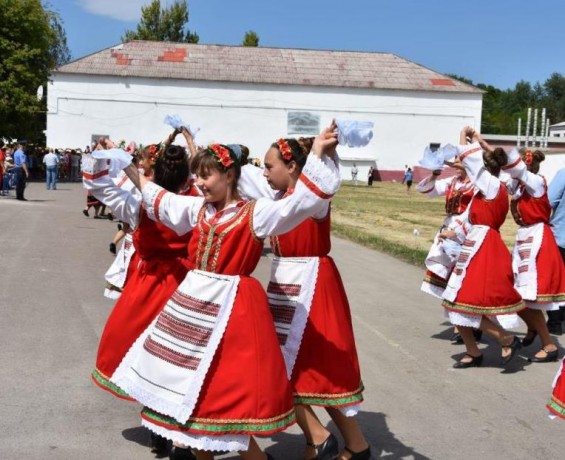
171 169
299 150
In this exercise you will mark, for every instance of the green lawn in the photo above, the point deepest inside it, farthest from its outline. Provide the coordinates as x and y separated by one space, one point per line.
384 217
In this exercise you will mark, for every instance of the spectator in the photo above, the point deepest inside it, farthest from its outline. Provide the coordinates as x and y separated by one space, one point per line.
556 195
370 176
75 165
2 160
354 172
408 176
51 161
406 168
21 170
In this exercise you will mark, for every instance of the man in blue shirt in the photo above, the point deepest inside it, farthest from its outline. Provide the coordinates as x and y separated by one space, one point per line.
556 194
21 170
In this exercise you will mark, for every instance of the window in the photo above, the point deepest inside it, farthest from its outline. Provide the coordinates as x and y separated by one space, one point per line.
303 123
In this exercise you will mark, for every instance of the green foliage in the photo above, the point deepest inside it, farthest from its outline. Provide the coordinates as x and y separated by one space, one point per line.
32 43
503 108
163 24
250 39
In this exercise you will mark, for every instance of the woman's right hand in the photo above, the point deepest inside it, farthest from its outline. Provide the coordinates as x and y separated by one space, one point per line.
326 142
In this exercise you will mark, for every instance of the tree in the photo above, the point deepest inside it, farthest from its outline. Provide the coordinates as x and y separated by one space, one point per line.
251 39
32 44
163 24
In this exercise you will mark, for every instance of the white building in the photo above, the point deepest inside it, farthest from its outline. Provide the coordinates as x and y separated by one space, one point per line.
255 95
557 130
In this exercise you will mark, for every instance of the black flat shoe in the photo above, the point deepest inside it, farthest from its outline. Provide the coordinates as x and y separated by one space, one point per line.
113 248
159 444
529 338
514 347
550 356
269 456
476 361
457 339
328 450
363 455
181 453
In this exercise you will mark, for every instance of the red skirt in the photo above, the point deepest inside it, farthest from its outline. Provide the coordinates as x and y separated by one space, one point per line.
150 284
246 390
556 404
488 286
550 270
326 372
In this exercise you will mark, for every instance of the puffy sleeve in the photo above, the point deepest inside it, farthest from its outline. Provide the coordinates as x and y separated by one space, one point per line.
180 213
471 156
124 203
432 187
461 226
319 181
517 169
252 184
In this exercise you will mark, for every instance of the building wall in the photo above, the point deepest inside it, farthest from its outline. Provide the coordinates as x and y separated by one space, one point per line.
254 114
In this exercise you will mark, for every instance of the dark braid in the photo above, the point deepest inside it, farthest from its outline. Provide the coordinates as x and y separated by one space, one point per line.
171 168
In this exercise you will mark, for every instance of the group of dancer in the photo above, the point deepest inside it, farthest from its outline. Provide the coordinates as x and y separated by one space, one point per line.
481 284
214 358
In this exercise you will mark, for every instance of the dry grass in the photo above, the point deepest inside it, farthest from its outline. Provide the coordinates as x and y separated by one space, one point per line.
384 217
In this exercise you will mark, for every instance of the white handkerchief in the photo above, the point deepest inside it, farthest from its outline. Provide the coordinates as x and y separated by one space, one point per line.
175 121
434 160
354 133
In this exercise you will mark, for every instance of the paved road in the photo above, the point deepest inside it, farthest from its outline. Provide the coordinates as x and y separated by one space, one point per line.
417 406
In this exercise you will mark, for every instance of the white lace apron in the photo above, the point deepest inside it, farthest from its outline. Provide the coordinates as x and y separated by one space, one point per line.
116 274
290 291
165 368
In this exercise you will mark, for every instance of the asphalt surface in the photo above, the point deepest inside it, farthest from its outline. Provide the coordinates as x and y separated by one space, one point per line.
417 407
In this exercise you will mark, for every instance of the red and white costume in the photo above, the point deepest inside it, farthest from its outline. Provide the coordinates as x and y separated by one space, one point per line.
482 282
159 264
458 194
539 275
311 310
209 368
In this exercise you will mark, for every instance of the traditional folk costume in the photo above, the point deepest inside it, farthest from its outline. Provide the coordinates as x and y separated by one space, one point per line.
482 282
538 267
158 266
311 310
209 368
458 194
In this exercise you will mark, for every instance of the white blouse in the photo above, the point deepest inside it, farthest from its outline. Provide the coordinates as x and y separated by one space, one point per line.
319 181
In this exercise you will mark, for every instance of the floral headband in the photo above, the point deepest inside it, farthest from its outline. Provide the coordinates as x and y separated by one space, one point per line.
528 157
222 155
154 151
285 149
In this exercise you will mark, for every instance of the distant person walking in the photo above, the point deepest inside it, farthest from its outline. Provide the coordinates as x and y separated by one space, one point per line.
408 176
354 172
370 176
21 170
51 162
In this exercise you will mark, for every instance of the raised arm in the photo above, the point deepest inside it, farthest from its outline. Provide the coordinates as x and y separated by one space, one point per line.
518 170
433 187
318 182
189 141
124 204
471 157
177 212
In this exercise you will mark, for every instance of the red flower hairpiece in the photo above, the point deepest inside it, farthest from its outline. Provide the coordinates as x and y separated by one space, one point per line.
528 157
154 152
222 155
285 149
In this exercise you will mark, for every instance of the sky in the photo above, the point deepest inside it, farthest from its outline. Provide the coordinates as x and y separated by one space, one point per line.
497 42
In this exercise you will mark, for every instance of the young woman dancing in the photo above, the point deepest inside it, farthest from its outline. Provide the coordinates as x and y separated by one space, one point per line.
313 318
209 369
482 284
538 266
